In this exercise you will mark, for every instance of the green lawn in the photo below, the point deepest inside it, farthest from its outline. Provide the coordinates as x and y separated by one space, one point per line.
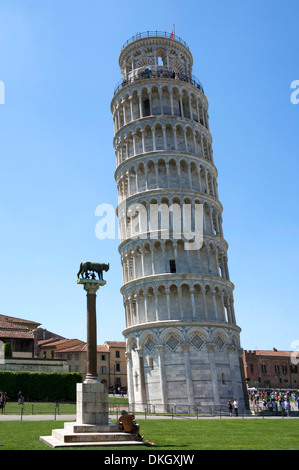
170 435
12 407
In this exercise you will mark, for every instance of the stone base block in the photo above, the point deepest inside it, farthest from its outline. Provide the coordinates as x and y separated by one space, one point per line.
92 403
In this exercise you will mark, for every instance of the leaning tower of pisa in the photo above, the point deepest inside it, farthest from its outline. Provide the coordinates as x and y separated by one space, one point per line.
182 340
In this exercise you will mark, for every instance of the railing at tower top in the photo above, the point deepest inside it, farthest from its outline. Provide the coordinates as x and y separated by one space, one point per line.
158 72
160 34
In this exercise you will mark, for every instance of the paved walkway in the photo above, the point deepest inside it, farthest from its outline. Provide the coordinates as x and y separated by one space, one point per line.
41 417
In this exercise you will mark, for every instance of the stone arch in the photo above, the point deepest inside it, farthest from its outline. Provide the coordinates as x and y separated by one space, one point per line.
174 301
148 138
187 306
159 138
173 173
166 100
131 344
171 338
148 340
144 62
220 338
197 338
170 142
190 139
162 173
180 138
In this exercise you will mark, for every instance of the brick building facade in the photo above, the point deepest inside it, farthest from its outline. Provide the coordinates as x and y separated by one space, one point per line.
271 369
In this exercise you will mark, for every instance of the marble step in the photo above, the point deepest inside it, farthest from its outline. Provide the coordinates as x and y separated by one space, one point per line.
53 442
85 428
66 436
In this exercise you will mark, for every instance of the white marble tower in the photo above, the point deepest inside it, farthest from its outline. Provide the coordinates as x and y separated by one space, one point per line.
183 345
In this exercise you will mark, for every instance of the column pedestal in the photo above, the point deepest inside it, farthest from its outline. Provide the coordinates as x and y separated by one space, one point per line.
92 403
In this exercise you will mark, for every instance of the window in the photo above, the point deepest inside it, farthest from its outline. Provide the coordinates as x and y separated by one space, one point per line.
264 368
146 104
69 357
293 369
117 367
103 370
103 357
251 368
151 362
284 369
117 353
276 368
172 266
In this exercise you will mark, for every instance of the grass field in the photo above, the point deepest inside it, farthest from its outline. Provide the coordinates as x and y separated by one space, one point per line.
173 435
12 407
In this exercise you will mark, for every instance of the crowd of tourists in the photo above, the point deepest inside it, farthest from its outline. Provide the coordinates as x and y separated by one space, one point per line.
275 400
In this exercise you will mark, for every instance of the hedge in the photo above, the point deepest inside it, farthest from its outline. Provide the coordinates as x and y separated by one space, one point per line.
52 386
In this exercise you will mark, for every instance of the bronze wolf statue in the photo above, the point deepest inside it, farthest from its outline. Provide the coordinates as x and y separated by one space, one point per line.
88 267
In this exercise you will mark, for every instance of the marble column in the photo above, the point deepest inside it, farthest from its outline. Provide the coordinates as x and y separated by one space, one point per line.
163 385
214 377
189 384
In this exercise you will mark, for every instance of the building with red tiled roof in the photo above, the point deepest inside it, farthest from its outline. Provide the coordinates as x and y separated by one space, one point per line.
111 360
20 334
48 349
76 357
271 369
117 364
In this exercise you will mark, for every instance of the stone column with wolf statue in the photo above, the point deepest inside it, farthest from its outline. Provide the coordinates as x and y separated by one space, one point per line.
92 396
92 427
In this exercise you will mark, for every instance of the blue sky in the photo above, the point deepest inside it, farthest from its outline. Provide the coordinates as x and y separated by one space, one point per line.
59 64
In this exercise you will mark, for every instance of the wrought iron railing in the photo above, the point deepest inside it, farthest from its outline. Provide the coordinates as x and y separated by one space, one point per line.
160 72
160 34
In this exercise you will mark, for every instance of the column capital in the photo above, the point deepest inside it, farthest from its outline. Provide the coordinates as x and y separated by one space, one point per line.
159 348
185 347
91 285
210 347
140 352
128 355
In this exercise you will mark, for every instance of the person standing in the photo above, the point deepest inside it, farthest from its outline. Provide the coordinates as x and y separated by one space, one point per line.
230 407
235 405
2 402
287 406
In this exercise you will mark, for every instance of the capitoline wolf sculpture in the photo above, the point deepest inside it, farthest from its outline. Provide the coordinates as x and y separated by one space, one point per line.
88 270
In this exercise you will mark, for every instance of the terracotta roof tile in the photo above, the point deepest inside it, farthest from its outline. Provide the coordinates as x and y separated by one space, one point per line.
273 353
6 318
45 342
116 344
16 334
83 348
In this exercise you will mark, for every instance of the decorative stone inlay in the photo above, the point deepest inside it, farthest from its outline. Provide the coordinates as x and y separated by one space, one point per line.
150 343
172 342
219 342
196 341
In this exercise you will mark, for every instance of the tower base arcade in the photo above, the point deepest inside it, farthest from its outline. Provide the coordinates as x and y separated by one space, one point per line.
183 367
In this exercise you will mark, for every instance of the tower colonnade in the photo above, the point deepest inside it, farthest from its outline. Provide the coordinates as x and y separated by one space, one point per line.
155 171
182 339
